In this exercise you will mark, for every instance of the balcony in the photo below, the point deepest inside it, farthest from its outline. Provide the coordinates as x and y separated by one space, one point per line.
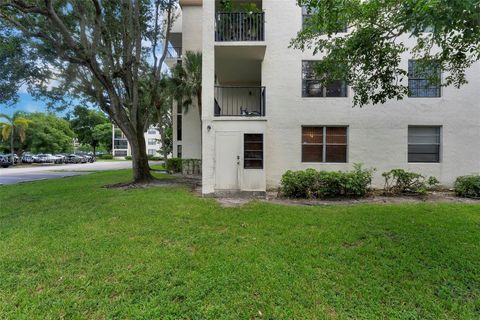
240 26
239 101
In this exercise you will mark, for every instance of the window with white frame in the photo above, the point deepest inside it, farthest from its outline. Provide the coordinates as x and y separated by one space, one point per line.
152 152
324 144
423 79
152 131
312 87
152 141
424 143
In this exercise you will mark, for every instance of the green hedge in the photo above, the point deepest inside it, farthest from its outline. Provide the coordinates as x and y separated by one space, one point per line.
174 165
106 157
311 183
468 186
128 158
398 181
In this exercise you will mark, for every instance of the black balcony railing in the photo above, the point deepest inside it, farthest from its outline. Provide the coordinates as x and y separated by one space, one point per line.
174 52
240 26
239 101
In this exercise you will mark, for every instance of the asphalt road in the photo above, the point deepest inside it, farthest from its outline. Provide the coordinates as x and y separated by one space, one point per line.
14 175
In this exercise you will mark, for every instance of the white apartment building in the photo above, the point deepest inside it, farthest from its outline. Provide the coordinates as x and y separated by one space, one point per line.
121 147
264 113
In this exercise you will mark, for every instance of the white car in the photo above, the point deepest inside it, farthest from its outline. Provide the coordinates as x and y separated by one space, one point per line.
44 158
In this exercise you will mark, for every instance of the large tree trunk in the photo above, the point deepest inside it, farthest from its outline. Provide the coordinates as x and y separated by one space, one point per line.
141 169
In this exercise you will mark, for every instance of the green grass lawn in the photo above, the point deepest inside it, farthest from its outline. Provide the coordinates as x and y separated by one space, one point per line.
72 249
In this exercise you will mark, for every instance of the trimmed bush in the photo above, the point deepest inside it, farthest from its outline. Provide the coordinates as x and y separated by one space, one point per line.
398 181
311 183
174 165
468 186
128 158
154 158
106 157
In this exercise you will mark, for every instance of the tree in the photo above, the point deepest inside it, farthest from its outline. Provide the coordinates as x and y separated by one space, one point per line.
14 125
97 51
48 133
187 80
84 122
103 134
167 142
446 35
162 111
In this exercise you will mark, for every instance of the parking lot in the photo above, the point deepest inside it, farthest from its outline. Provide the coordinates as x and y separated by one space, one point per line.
14 175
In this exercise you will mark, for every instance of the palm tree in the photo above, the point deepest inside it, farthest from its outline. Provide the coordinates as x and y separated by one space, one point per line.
15 124
187 80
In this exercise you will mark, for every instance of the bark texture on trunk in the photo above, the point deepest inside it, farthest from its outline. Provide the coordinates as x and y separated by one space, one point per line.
141 169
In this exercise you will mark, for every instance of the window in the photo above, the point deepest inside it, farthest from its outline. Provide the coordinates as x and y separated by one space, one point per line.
311 86
423 81
118 134
120 144
306 16
120 153
179 151
423 144
152 142
152 131
253 151
152 152
324 144
179 127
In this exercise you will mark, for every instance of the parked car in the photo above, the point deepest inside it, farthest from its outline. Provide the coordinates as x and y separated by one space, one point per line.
16 157
27 158
73 158
89 158
44 158
5 161
58 158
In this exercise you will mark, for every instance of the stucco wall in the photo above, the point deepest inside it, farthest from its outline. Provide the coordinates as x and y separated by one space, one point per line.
377 134
192 17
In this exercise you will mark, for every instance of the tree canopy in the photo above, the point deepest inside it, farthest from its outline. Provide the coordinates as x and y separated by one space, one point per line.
445 33
48 133
91 126
95 51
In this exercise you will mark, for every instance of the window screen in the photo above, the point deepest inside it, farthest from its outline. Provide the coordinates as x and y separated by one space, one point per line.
423 81
311 86
423 144
324 144
253 151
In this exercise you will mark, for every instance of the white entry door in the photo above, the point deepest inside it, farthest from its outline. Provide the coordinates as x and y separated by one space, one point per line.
227 161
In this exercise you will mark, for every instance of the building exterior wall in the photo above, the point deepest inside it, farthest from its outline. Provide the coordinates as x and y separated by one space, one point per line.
152 133
377 134
192 17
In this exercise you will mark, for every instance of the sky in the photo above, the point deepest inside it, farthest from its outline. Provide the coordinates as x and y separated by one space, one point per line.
26 103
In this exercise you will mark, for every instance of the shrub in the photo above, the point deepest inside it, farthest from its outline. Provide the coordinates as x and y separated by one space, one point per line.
399 181
154 158
311 183
106 157
468 186
174 165
128 158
